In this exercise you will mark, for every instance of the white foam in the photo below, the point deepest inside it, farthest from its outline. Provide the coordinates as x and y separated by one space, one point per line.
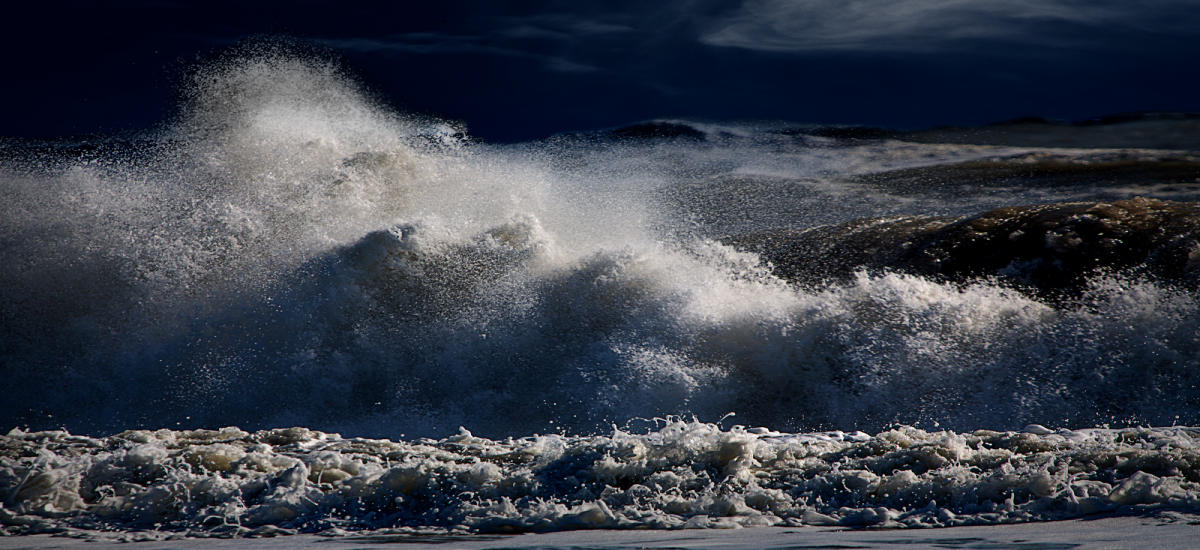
681 475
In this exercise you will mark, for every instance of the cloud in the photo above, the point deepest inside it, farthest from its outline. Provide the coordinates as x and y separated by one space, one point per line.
564 25
550 39
929 25
439 43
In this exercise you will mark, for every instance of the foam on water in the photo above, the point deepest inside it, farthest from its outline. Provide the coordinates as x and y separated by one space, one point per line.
289 252
677 475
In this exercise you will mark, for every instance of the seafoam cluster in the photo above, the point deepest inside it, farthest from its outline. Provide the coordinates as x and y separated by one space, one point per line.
230 482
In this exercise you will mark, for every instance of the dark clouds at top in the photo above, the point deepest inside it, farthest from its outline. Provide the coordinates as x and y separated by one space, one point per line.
933 26
517 70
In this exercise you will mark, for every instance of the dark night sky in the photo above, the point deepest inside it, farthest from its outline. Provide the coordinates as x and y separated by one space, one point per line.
519 70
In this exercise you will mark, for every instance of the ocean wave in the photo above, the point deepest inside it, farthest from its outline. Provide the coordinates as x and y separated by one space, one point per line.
1168 174
1050 248
287 251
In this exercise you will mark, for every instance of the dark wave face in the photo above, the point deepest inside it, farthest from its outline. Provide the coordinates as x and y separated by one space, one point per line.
1047 249
289 253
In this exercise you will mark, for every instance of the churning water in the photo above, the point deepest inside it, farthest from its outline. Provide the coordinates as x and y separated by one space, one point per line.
289 252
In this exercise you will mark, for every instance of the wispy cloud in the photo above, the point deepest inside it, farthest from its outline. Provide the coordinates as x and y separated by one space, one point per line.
567 25
922 25
546 38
